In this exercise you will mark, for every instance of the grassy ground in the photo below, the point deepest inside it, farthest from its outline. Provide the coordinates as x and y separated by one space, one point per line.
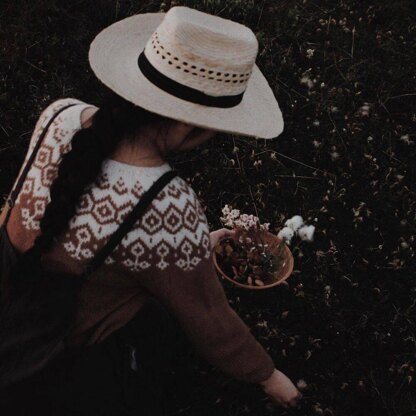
345 323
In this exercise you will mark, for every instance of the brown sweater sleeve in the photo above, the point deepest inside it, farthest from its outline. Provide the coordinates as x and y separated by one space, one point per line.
197 299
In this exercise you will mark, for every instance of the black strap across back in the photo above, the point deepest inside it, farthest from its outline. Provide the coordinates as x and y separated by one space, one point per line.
124 227
129 222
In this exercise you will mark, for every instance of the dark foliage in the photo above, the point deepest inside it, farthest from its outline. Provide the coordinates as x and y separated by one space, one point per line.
345 323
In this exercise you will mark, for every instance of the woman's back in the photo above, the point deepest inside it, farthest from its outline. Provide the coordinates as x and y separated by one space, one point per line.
173 234
166 255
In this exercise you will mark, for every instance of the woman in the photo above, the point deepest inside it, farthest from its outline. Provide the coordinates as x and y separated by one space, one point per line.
174 80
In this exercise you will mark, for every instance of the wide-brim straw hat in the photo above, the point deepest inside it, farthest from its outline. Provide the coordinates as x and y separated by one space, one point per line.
190 66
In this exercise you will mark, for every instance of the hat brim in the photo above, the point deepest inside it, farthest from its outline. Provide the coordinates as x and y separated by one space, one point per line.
113 57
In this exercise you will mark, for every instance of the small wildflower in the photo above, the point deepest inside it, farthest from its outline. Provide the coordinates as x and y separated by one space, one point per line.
234 219
404 245
294 223
309 53
406 139
265 226
334 155
364 110
301 384
286 234
306 232
306 80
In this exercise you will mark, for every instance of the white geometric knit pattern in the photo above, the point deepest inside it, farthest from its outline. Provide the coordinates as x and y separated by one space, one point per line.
173 232
174 226
56 142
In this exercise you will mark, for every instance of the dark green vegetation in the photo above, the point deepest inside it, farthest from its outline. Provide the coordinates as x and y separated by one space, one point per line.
345 323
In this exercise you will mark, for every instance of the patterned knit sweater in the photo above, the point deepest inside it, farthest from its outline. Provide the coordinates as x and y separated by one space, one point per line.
166 255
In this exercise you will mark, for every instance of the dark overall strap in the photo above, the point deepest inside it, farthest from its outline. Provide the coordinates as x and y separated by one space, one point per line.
129 222
15 192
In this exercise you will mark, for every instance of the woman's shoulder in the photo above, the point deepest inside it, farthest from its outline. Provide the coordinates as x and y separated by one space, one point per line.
173 234
73 115
59 103
64 125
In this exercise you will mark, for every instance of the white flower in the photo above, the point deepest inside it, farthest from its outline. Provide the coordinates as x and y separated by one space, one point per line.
406 139
306 80
230 217
226 210
334 155
233 218
265 226
364 110
286 233
234 213
294 223
306 232
228 223
301 384
309 53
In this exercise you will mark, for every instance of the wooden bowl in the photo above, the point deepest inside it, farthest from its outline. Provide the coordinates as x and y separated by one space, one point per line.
273 242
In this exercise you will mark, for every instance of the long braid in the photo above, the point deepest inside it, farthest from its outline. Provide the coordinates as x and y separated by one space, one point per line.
78 169
38 307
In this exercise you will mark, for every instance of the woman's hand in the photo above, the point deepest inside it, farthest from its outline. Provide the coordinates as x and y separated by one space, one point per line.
217 235
281 389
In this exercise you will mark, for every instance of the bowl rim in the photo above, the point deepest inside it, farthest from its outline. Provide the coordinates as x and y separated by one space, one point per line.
254 287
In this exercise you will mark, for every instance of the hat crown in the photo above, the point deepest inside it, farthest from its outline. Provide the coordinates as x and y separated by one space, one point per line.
203 51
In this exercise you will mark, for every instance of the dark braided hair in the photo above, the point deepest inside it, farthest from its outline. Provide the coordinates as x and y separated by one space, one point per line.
38 306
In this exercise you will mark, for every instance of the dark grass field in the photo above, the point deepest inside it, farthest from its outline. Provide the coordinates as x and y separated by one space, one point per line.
345 323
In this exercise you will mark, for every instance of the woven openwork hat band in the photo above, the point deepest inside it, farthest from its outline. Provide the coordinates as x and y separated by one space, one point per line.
201 57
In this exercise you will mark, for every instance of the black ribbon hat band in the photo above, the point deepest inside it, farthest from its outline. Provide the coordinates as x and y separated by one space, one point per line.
183 91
